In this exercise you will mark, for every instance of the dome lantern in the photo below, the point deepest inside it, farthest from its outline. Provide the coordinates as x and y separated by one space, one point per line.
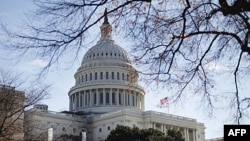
106 28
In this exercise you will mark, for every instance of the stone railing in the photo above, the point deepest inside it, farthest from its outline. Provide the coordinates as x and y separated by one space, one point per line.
169 115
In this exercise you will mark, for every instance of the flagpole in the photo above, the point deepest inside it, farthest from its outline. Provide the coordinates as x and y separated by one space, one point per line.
168 109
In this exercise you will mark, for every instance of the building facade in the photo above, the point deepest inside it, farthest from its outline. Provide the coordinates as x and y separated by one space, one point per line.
106 94
11 114
65 126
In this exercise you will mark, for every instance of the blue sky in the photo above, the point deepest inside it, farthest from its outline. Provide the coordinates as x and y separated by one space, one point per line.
62 77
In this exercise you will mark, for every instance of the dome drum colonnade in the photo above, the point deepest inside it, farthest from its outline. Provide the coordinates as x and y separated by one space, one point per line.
106 80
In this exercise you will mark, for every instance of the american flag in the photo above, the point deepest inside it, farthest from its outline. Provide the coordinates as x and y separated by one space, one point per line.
164 101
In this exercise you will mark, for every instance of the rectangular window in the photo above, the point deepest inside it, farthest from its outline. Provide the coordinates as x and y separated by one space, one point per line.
95 75
82 78
90 76
107 75
113 98
122 76
101 75
107 98
86 77
101 98
113 75
118 76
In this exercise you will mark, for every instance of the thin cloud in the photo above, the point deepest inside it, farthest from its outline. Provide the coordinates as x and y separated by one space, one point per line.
216 67
38 63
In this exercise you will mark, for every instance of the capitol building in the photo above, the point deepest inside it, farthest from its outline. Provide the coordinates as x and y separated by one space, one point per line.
106 94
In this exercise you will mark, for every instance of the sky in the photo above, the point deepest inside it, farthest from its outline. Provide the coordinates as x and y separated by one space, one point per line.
62 77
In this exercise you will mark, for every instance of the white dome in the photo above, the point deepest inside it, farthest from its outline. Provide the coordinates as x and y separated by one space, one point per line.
106 80
105 53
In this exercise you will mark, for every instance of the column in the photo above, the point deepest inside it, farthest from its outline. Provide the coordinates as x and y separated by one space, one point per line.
142 101
87 99
194 135
129 99
133 100
135 97
70 102
104 96
91 98
186 134
97 97
138 101
80 93
110 97
124 99
76 100
162 128
83 99
117 97
73 101
79 100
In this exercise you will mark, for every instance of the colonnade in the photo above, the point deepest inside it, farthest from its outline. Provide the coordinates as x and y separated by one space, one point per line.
106 97
188 133
98 76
